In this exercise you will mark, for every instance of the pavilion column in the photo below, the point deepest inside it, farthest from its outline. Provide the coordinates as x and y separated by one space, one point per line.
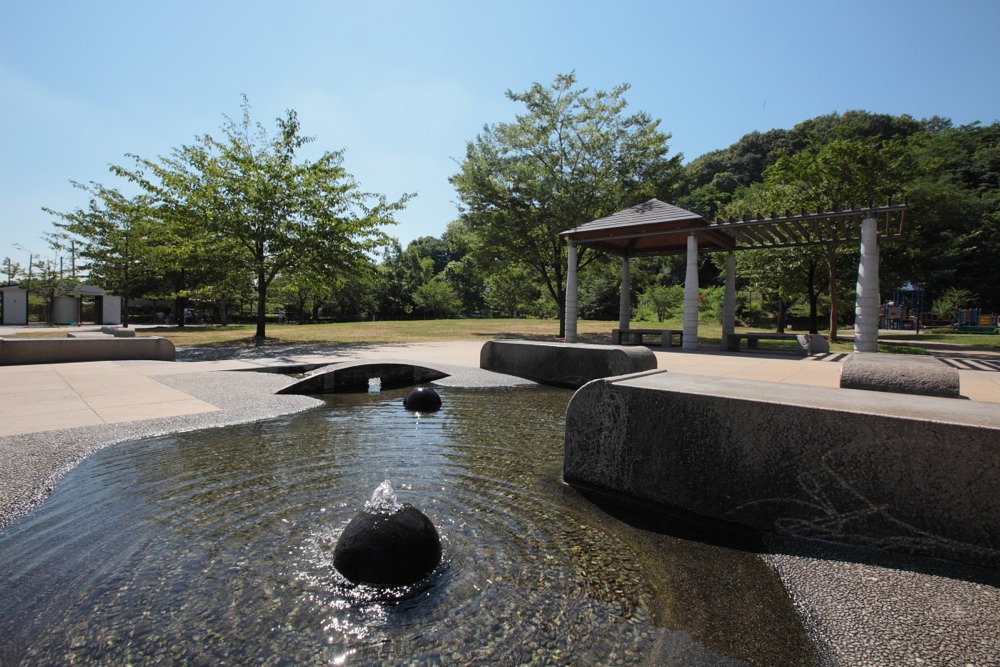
691 296
571 293
625 303
866 307
729 301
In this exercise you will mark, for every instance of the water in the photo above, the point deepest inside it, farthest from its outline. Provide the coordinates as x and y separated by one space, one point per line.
216 547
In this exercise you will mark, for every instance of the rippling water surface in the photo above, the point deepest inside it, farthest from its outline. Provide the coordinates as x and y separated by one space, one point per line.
216 547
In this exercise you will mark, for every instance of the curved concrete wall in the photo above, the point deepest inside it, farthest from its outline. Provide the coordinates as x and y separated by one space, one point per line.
916 474
18 351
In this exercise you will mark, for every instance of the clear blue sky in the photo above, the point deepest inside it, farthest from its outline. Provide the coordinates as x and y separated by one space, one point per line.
401 86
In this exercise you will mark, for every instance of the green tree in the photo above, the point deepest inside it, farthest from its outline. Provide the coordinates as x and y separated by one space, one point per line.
283 213
839 174
116 237
436 299
570 158
664 301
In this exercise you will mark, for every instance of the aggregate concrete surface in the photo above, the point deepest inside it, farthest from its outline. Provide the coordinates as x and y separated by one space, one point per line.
860 607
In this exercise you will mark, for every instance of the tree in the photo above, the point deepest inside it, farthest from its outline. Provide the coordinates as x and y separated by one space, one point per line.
842 173
436 299
283 214
116 235
569 159
664 301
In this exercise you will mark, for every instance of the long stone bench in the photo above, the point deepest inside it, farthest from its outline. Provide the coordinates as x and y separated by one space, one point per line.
635 336
915 474
562 364
19 351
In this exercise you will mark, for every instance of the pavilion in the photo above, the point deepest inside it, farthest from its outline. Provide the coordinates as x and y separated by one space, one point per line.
657 228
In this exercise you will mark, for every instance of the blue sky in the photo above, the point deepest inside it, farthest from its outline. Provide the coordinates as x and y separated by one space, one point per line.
402 86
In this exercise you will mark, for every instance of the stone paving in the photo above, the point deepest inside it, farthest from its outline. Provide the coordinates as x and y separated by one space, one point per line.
861 607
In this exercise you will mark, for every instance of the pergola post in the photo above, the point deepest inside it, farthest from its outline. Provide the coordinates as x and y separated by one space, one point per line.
571 295
690 340
866 306
625 302
729 301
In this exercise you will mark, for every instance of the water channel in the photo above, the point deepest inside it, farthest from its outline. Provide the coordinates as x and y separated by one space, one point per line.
216 547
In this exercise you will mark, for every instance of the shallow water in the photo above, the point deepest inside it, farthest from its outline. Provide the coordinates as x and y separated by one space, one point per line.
216 547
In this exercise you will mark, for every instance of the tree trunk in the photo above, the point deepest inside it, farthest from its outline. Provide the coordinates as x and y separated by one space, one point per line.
261 308
782 308
831 267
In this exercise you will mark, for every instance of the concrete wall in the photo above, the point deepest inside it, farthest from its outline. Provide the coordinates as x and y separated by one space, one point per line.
561 364
17 351
65 310
916 474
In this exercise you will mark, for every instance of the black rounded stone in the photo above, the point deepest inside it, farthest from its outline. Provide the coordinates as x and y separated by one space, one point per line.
422 399
388 549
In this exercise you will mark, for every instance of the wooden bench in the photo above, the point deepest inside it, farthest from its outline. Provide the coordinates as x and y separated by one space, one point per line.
805 344
634 336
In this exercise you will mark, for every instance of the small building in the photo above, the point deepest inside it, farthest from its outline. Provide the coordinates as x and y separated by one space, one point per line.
86 303
13 305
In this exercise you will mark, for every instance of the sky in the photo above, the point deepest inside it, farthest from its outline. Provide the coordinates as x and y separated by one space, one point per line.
402 86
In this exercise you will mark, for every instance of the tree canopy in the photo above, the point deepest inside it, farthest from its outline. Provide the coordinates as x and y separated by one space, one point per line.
570 158
280 213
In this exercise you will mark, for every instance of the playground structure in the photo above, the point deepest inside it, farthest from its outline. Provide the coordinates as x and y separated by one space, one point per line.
905 310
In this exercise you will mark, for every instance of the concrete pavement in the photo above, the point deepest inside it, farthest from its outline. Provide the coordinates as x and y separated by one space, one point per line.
58 396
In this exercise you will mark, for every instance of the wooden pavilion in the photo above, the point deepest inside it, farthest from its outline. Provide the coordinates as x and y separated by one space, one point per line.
658 228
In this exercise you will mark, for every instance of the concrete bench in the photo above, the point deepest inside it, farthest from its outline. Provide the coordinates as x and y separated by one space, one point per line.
562 364
915 474
635 336
805 344
901 374
20 351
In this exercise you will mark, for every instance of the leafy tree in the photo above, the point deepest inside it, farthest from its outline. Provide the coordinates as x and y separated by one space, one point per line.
437 300
664 301
843 173
283 214
117 238
11 269
949 304
569 159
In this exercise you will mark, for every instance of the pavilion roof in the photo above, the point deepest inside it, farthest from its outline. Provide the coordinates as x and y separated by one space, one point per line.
657 228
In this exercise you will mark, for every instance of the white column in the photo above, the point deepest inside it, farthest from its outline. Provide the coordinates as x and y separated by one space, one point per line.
625 303
729 300
691 296
571 293
866 307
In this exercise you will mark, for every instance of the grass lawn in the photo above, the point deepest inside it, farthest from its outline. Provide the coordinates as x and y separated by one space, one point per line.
420 331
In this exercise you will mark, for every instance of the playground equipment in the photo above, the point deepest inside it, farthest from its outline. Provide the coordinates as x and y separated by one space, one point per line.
905 311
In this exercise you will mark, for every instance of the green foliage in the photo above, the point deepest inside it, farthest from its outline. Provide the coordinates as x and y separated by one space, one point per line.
436 300
570 158
281 214
948 305
665 302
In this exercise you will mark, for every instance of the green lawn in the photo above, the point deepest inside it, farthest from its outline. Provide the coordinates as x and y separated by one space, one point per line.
419 331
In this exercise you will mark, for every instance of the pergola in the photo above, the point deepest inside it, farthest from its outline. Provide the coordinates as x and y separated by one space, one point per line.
658 228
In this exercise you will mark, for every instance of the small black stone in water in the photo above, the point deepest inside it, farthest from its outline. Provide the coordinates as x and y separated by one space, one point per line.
422 399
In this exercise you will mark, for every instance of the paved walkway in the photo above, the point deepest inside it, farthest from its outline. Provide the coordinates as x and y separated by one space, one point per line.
49 397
